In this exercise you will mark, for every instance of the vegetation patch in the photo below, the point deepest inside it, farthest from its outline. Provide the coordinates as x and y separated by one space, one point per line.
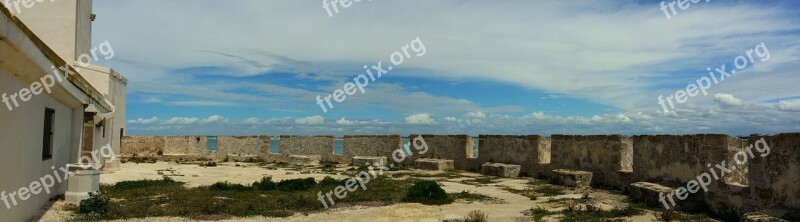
470 197
427 192
476 216
167 198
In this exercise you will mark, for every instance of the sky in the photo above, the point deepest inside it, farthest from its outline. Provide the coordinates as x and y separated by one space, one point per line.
256 67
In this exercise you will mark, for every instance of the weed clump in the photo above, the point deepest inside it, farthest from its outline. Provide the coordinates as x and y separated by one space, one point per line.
265 184
426 192
96 204
297 184
225 186
476 216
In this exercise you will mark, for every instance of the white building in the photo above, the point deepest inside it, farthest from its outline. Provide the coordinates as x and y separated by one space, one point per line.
48 121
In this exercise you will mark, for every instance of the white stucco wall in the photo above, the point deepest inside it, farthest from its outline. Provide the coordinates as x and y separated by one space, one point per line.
21 132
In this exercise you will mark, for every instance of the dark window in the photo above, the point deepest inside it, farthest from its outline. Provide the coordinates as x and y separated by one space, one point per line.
47 141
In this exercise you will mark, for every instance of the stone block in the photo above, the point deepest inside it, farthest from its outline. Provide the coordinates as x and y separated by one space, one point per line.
435 164
760 217
649 193
500 169
364 161
572 178
301 160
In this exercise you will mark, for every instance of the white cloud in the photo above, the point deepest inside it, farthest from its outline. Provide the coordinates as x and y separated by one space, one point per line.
344 121
727 100
251 121
475 115
421 118
144 121
182 121
214 119
152 100
311 120
789 105
536 115
451 119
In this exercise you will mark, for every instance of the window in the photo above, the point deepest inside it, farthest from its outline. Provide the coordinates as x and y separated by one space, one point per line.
211 143
47 139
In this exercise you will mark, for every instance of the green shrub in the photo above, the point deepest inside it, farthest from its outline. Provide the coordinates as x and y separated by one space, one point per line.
426 192
96 204
329 181
225 186
139 184
297 184
265 184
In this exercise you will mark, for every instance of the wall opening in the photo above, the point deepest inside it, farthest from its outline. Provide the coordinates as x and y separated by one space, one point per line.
338 146
477 142
211 143
275 145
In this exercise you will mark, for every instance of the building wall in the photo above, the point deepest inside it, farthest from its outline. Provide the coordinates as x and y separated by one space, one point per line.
680 158
186 147
371 145
143 146
21 141
55 23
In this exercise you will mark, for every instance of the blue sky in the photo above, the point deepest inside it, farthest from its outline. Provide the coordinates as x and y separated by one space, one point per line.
512 67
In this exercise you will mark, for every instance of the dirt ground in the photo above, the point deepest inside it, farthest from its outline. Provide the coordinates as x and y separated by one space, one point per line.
507 203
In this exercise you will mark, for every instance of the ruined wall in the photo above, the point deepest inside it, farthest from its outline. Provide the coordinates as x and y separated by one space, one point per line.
242 146
149 146
459 148
531 152
371 145
604 155
679 159
774 178
186 147
309 145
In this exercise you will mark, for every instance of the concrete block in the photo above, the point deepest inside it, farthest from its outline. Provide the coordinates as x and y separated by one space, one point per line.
572 178
301 160
435 164
501 170
760 217
364 161
79 186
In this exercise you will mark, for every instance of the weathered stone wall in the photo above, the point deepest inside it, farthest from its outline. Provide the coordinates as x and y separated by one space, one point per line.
149 146
531 152
773 178
308 145
242 146
604 155
186 147
679 159
371 145
459 148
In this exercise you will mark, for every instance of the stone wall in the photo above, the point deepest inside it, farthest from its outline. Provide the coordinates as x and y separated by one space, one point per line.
607 156
371 145
774 177
459 148
242 146
186 147
149 146
531 152
680 158
309 145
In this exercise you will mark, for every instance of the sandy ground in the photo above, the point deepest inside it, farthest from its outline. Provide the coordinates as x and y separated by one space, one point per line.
507 206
